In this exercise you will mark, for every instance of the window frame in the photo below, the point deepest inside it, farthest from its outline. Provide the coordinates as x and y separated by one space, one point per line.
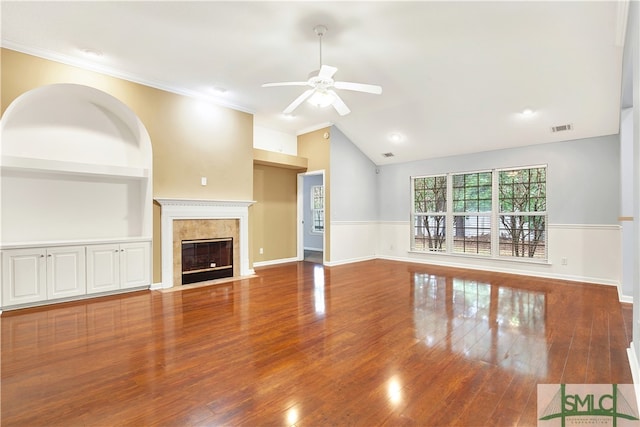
478 213
494 219
317 214
416 215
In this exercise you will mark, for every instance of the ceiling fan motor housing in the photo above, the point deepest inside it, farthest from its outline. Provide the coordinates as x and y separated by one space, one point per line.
319 82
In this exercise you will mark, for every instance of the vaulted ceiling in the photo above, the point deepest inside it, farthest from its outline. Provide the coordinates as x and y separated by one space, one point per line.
456 76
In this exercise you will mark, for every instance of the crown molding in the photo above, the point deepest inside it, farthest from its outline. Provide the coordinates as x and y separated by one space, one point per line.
112 72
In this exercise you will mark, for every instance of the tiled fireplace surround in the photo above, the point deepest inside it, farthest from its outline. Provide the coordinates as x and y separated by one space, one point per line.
182 219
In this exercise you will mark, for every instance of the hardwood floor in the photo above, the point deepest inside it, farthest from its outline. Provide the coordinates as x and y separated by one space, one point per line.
373 343
313 256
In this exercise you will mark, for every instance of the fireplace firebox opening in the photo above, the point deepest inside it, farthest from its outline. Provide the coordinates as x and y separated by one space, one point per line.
206 259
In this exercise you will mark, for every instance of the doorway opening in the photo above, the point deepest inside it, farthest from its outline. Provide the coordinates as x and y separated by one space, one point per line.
311 217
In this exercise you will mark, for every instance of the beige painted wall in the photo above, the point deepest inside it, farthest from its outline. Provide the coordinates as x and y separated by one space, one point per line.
190 138
316 147
274 215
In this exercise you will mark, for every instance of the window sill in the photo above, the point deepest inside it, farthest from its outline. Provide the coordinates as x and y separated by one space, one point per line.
479 257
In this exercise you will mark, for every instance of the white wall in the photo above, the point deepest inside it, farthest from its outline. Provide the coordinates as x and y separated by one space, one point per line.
626 202
632 49
593 253
273 140
583 178
353 241
42 207
354 212
584 236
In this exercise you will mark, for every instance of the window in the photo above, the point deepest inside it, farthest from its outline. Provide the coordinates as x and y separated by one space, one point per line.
317 209
430 206
497 213
522 218
472 213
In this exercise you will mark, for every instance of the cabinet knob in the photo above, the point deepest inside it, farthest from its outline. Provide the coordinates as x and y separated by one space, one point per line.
41 256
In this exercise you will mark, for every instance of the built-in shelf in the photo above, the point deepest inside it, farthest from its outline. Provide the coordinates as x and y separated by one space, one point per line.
64 167
287 161
77 172
79 242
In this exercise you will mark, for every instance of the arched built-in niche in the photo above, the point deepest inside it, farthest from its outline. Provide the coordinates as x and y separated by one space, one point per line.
76 170
76 164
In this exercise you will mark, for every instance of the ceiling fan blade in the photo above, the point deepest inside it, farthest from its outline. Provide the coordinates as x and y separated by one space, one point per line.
359 87
339 104
285 84
299 100
327 71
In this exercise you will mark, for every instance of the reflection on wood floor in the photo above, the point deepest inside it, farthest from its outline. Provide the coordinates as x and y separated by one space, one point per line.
371 343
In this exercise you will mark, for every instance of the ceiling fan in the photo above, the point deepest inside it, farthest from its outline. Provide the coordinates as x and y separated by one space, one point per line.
322 85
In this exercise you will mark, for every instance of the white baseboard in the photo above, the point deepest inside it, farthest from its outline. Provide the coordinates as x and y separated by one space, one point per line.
624 298
155 286
349 261
275 262
494 268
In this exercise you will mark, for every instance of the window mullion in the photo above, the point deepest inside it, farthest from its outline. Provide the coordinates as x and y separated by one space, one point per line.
449 217
495 213
412 215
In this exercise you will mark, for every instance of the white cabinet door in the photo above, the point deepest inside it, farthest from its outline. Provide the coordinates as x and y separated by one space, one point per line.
103 268
23 276
66 272
135 264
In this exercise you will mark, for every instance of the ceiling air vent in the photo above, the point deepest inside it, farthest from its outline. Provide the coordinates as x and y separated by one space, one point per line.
561 128
388 154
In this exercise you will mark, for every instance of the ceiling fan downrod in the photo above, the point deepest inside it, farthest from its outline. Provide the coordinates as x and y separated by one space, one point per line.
320 30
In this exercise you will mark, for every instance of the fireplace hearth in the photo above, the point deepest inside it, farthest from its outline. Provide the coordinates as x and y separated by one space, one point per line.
206 259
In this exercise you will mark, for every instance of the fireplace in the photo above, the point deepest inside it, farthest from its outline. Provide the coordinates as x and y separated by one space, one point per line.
188 219
206 259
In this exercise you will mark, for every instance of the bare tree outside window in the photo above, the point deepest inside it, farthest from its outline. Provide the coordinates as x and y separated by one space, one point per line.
430 206
523 205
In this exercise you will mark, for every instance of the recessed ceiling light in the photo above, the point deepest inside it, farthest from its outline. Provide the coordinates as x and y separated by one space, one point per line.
527 112
91 53
396 137
217 90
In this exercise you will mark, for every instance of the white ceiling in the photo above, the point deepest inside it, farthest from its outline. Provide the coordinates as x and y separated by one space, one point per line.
455 75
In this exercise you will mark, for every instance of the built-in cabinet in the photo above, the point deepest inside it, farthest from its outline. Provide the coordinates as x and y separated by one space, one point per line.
38 274
112 267
76 196
41 274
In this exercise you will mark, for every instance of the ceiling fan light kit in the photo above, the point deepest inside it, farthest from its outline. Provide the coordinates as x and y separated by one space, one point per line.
322 85
321 99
